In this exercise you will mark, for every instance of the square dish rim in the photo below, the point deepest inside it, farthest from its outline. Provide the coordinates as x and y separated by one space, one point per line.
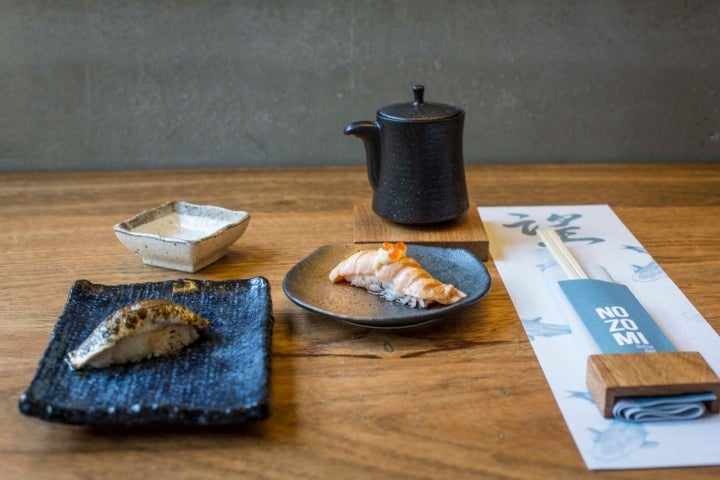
127 226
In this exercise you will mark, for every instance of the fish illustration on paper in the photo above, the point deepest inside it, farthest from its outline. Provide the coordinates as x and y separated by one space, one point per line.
645 273
648 273
619 439
547 265
635 248
581 395
535 328
693 316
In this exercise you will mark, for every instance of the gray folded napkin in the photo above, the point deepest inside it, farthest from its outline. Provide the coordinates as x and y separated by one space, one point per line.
663 408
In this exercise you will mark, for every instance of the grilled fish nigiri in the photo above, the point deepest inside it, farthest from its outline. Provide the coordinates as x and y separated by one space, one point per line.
149 328
388 272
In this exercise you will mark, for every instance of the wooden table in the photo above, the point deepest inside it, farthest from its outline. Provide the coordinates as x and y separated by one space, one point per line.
463 398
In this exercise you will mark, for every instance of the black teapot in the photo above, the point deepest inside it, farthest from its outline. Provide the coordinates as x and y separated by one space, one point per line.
415 161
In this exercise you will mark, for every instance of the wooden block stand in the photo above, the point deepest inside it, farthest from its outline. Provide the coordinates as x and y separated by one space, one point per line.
612 376
466 232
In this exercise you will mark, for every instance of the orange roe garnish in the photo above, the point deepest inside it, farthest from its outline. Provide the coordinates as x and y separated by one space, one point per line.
395 252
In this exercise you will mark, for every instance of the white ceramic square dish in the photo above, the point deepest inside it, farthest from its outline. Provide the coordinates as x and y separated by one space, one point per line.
182 236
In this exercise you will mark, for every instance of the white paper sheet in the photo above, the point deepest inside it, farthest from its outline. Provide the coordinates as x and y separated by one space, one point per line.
597 237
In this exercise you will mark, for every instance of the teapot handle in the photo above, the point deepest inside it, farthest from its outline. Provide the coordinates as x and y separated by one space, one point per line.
369 133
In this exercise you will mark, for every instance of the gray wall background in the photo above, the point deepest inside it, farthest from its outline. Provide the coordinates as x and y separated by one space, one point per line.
190 83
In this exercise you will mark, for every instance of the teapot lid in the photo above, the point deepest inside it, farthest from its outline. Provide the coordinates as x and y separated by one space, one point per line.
418 110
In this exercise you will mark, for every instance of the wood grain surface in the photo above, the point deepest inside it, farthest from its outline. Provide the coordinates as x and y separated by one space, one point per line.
466 232
461 398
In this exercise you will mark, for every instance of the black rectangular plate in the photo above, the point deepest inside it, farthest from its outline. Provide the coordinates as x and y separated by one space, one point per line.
222 378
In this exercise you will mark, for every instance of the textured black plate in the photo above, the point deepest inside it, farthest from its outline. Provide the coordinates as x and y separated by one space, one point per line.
307 285
222 378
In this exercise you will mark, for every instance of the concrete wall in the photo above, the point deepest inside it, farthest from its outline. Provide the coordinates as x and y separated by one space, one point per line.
203 83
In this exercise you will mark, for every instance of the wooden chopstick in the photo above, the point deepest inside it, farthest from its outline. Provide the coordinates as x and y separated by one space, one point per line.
562 255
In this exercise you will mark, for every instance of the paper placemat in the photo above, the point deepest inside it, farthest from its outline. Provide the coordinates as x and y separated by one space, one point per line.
597 237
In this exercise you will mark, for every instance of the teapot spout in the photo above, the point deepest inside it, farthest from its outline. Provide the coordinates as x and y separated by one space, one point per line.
369 133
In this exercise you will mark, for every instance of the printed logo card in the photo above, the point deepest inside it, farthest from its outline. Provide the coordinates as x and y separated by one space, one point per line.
615 319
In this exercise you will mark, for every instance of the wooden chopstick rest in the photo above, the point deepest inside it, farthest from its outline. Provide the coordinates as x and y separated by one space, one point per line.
613 376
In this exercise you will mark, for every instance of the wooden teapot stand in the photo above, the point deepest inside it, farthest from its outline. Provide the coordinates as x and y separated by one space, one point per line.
465 232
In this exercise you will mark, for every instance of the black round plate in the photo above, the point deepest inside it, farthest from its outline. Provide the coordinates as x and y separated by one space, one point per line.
307 284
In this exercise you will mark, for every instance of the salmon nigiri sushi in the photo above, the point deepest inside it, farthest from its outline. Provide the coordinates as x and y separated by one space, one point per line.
390 273
149 328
